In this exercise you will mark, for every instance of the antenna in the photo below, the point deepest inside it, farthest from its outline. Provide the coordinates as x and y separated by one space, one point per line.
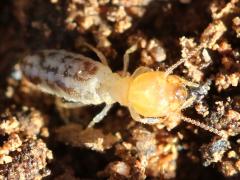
220 133
174 66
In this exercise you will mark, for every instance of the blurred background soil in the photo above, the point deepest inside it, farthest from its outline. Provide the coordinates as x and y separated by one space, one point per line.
39 139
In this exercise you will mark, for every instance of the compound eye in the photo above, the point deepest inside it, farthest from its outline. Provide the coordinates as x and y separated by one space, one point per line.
181 94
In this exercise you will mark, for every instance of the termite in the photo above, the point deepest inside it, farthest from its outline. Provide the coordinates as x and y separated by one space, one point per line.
151 96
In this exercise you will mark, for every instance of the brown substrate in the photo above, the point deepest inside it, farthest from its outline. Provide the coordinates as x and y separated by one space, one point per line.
40 139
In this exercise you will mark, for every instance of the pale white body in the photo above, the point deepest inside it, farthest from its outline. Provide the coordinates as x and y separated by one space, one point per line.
74 77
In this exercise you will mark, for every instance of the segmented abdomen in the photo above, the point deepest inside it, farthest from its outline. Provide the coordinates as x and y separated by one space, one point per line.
73 77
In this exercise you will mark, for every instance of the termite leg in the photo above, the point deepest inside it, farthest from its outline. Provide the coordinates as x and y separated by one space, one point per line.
67 104
100 115
126 58
137 117
98 53
62 103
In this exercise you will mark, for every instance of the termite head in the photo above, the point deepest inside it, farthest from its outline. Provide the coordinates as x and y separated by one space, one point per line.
153 94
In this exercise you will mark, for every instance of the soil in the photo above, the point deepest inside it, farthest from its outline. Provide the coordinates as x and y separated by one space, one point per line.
41 140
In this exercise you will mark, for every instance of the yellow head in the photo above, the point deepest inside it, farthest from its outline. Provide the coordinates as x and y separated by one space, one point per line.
153 94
